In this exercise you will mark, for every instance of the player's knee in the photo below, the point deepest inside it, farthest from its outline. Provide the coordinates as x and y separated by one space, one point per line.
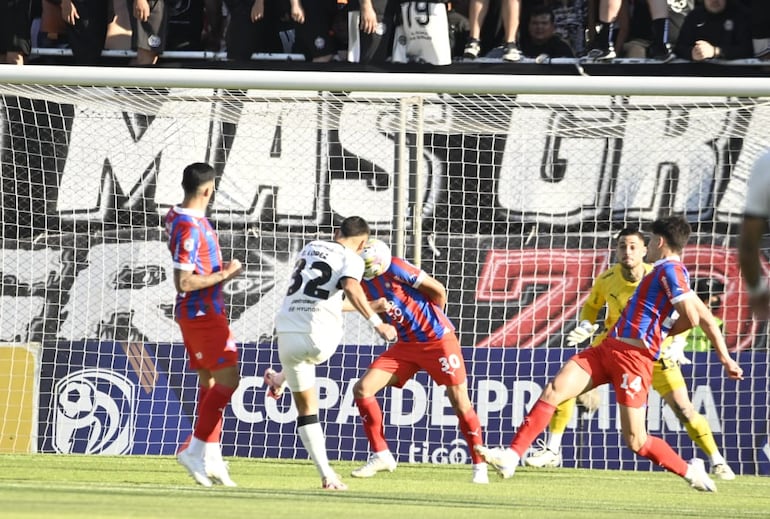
635 442
551 395
360 390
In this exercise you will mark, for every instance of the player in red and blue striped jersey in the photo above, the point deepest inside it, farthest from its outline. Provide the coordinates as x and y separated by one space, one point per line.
413 301
625 359
199 274
650 313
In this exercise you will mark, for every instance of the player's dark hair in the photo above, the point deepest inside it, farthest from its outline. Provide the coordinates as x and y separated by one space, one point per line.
674 229
195 175
540 10
632 231
354 226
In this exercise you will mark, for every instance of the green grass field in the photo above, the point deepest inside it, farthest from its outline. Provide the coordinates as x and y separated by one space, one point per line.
60 486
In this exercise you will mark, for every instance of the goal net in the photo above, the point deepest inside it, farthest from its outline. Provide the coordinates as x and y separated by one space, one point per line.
511 198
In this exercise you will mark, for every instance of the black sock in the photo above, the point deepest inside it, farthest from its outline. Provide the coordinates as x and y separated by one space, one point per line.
660 31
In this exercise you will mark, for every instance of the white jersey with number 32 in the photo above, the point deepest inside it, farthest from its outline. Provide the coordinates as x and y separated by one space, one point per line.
313 302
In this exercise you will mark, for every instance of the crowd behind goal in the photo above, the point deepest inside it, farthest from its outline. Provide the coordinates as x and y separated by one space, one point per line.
436 32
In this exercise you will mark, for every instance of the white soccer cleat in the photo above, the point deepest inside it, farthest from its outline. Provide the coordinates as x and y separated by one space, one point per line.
219 474
543 457
333 482
480 474
275 382
377 463
504 461
195 467
723 471
698 478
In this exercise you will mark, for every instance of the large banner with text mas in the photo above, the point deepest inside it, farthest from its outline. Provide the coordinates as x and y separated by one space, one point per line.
288 161
134 398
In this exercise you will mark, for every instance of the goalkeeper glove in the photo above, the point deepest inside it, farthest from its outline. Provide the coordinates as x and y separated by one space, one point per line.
582 332
675 351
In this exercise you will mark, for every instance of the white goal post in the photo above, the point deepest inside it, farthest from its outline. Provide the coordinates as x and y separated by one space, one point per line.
508 189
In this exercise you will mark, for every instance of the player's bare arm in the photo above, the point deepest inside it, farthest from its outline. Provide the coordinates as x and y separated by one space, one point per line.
187 281
356 297
694 312
141 10
752 230
434 290
297 13
368 22
257 10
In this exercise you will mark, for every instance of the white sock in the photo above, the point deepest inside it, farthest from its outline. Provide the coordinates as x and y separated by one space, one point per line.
196 447
554 442
717 458
386 454
313 439
515 456
213 452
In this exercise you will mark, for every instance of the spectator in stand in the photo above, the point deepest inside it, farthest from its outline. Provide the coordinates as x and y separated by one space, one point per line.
53 30
718 29
510 11
15 36
371 26
86 22
541 39
636 25
602 46
255 26
760 28
569 18
422 33
314 22
149 29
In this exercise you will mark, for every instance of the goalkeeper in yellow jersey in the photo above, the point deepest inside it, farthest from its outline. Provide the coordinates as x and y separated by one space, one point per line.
613 288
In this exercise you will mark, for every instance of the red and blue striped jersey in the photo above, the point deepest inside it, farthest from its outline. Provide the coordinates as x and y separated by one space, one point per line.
650 313
415 317
194 247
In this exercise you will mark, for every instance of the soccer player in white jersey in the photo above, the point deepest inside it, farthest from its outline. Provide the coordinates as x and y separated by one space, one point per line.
309 327
754 226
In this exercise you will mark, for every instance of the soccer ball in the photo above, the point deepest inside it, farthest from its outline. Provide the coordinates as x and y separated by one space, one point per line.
376 255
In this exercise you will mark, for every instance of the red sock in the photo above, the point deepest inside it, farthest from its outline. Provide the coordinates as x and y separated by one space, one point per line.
371 418
659 452
470 426
210 411
216 433
534 423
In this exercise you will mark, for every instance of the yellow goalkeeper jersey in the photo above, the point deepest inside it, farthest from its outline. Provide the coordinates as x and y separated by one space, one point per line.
614 291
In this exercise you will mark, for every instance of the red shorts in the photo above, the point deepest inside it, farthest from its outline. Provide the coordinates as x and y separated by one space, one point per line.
442 359
209 342
628 368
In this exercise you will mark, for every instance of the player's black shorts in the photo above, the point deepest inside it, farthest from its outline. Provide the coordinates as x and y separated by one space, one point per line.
86 37
15 23
244 38
314 38
150 35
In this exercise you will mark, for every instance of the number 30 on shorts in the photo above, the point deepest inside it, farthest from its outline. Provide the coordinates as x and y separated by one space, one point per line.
449 364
